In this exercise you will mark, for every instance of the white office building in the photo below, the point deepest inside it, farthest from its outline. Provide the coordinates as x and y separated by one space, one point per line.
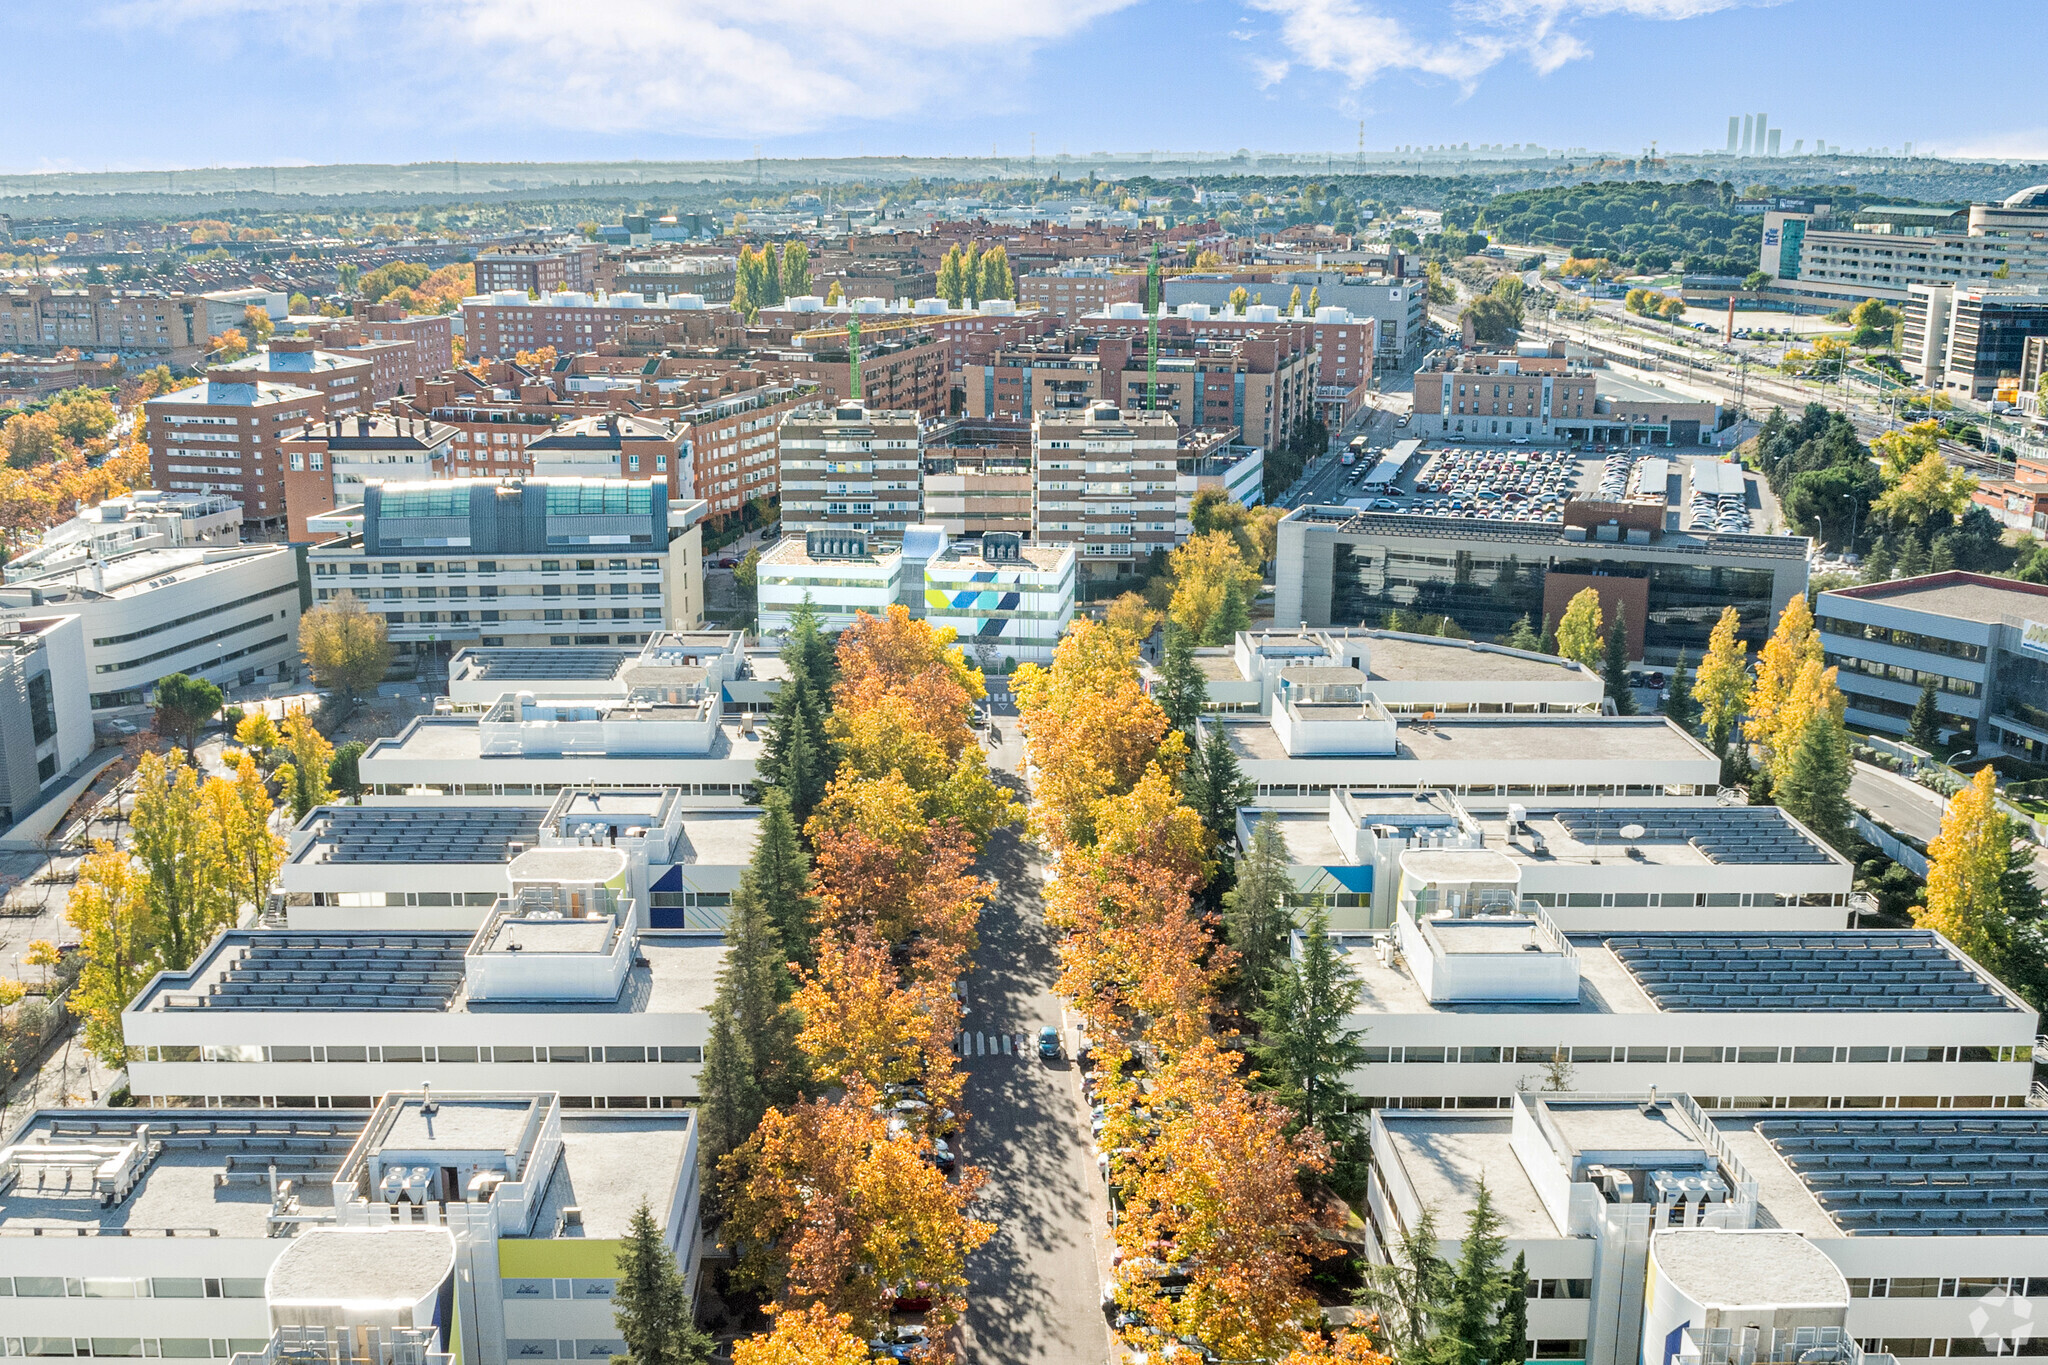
1327 732
1599 867
45 728
161 585
1408 675
1004 598
526 746
840 573
1462 1007
1655 1233
582 1005
434 1225
442 864
538 563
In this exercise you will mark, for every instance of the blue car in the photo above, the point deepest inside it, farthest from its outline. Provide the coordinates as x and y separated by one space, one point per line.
1049 1043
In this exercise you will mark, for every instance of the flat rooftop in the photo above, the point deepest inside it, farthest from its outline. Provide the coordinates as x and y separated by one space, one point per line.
1308 838
1905 971
464 1124
793 552
1882 1173
1739 1269
1966 597
352 971
609 1166
1666 836
211 1177
132 575
1522 738
515 935
1407 658
1444 1159
457 739
417 834
510 665
1593 1126
720 838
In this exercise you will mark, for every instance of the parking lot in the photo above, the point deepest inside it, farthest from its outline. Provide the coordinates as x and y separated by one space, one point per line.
1532 484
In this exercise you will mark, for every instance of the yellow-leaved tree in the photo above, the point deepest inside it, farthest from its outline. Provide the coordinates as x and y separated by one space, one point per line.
813 1335
1966 866
1794 643
1722 685
1213 588
1579 630
117 938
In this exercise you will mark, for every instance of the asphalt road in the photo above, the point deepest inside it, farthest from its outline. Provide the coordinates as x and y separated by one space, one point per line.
1910 809
1033 1290
1327 481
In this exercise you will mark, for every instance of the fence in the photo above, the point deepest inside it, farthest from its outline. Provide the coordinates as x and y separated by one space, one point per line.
1891 845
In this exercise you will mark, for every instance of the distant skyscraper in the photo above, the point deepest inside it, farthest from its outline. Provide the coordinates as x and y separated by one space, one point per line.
1798 143
1776 133
1762 126
1734 129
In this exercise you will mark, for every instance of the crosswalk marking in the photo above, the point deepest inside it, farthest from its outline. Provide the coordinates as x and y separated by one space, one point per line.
1006 1044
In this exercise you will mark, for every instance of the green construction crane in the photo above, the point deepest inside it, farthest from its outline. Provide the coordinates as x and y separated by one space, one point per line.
853 354
1152 333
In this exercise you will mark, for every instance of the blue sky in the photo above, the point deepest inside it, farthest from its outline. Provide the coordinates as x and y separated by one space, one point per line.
175 83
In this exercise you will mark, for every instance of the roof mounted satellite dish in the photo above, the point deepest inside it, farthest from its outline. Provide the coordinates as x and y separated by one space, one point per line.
1632 831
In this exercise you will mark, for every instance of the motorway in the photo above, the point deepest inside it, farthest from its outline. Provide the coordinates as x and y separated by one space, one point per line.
1033 1290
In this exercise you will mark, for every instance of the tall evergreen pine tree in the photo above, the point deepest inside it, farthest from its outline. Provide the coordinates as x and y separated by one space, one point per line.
1215 786
1923 730
1681 705
1182 690
1615 669
1305 1046
649 1305
1465 1330
1255 910
1815 788
781 873
1511 1341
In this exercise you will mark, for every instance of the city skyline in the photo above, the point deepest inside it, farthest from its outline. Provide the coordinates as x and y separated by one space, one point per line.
377 82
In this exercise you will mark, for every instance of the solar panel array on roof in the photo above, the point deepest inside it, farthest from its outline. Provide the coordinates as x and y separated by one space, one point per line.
428 834
1909 970
1745 835
1922 1177
324 973
551 665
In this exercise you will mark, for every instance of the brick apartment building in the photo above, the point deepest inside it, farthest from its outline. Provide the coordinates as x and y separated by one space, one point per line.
1105 480
904 371
657 275
542 267
851 468
431 336
1262 382
506 322
1345 342
344 380
327 462
1074 292
226 436
99 318
731 416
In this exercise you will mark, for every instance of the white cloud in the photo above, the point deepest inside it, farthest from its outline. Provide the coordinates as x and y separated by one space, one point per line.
691 67
1359 40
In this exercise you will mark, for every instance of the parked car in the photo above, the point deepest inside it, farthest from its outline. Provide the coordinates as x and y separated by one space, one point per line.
1049 1043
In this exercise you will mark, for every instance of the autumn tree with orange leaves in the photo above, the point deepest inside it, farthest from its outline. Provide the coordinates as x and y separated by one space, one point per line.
1093 731
808 1336
1217 1196
835 1210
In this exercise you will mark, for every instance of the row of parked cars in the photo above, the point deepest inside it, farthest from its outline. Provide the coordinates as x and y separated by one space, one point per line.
1725 512
1494 483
